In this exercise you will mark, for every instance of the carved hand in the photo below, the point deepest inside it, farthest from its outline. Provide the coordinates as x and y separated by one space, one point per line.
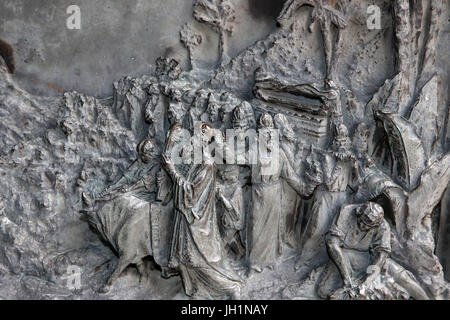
315 174
167 162
149 116
124 189
104 193
310 28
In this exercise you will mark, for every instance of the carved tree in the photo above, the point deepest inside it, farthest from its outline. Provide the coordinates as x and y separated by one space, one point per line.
220 15
326 16
407 105
190 39
416 32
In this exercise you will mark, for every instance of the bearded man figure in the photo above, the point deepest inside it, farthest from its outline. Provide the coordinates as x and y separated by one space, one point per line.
264 229
197 249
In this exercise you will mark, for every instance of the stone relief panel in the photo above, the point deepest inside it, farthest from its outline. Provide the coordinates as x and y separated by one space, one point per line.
313 163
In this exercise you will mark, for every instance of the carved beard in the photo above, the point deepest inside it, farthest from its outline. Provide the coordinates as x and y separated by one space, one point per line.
341 149
148 157
268 139
213 117
289 134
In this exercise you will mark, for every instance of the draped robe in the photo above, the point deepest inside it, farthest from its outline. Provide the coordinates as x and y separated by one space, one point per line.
197 248
264 228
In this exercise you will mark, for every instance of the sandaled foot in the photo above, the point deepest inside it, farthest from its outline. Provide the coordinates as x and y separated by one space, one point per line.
252 270
104 289
235 293
167 273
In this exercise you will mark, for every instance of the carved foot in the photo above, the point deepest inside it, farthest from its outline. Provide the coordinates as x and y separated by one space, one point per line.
167 273
87 201
105 288
144 279
235 293
252 270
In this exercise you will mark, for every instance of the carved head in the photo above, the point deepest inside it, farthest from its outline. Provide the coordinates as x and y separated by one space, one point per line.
341 143
173 136
223 114
174 69
228 173
175 95
370 215
361 139
203 133
363 131
153 89
213 111
266 130
239 118
207 132
146 150
175 113
200 98
188 97
282 123
341 130
225 97
265 121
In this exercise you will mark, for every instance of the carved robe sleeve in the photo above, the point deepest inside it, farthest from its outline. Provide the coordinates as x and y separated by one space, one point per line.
195 193
291 177
382 239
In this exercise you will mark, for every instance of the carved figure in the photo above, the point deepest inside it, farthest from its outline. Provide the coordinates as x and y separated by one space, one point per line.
290 200
197 108
122 212
197 248
263 235
231 209
326 16
359 244
327 200
220 15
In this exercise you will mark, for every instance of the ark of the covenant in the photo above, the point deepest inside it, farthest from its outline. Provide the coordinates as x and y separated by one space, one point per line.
225 149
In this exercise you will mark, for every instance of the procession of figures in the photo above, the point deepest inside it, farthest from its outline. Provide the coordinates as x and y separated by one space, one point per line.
221 186
217 221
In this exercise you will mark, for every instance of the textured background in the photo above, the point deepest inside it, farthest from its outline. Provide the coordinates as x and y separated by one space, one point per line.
117 38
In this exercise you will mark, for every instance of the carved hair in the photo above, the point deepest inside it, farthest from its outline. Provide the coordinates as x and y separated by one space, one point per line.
153 89
238 117
177 108
341 130
204 126
265 121
171 139
282 123
144 146
371 213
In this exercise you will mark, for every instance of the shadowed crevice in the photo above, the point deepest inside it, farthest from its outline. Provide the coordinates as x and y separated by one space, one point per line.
265 8
6 52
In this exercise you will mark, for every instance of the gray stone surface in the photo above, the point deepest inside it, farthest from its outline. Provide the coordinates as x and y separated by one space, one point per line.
80 101
116 39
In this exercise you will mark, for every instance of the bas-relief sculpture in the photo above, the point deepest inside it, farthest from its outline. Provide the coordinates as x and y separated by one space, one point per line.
342 199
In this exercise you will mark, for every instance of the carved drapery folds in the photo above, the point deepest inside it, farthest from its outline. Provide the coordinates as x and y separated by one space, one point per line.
361 170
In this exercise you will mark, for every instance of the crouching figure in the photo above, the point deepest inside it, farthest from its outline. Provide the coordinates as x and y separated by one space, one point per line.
359 245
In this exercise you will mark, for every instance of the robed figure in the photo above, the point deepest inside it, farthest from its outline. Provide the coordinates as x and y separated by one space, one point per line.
264 229
197 249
